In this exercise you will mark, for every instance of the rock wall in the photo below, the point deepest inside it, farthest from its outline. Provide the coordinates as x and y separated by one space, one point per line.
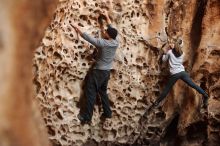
62 61
22 26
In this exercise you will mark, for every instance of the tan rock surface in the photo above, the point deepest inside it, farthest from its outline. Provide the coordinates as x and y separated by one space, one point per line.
23 24
62 61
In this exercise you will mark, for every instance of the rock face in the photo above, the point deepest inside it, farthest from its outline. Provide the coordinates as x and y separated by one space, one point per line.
63 60
22 26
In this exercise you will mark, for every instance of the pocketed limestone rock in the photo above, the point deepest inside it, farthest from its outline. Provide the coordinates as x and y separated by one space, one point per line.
63 60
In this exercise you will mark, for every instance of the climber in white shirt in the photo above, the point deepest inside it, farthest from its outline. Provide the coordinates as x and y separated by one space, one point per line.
174 55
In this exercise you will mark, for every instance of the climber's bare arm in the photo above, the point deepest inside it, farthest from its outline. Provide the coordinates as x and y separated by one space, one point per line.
102 30
165 48
107 18
77 30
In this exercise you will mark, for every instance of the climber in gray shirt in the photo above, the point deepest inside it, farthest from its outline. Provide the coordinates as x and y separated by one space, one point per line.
106 50
97 78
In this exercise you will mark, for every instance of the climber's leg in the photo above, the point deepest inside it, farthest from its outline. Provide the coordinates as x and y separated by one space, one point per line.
186 78
91 89
172 80
104 96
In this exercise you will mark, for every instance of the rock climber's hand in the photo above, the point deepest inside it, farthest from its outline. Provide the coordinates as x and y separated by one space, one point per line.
105 13
77 29
165 48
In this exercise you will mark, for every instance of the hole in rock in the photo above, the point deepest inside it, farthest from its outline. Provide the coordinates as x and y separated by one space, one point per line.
171 132
63 137
120 98
150 7
89 22
51 130
59 68
120 76
160 115
82 56
136 1
132 14
149 135
80 24
56 142
83 17
65 51
42 94
50 51
58 97
118 7
84 3
197 131
48 38
57 87
56 22
64 128
125 60
80 47
37 84
153 128
215 53
57 56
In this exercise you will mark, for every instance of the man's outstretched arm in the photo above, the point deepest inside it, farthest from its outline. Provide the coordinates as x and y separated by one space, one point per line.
165 49
103 31
94 41
108 20
77 30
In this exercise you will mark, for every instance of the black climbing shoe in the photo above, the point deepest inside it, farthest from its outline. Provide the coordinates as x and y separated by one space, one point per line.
156 104
83 120
104 117
205 102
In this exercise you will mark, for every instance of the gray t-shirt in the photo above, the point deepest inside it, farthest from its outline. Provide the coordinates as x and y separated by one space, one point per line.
106 51
175 63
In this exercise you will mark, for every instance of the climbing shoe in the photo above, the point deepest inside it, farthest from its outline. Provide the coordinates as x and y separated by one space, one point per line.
205 102
156 104
83 120
104 117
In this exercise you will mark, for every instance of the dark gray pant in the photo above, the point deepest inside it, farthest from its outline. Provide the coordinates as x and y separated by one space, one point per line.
96 83
172 80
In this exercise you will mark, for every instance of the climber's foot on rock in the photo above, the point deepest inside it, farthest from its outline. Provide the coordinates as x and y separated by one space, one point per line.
104 117
154 105
83 120
204 113
205 102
